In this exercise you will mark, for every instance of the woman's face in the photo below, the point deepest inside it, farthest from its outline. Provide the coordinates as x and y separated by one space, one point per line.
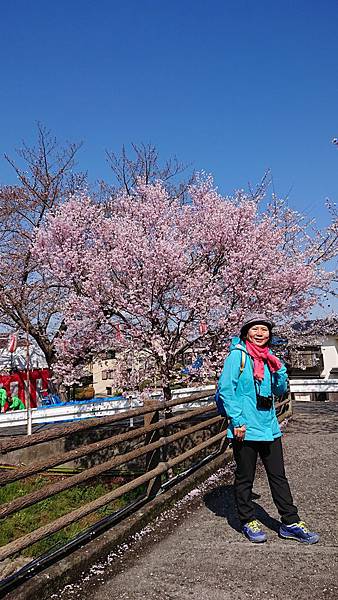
259 335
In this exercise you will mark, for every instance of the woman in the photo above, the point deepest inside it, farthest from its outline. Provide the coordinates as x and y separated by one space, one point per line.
251 376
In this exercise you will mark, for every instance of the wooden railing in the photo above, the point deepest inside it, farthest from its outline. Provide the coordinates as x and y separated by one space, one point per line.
154 430
154 422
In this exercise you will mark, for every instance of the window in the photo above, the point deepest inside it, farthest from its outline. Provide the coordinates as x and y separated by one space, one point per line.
188 359
108 391
108 374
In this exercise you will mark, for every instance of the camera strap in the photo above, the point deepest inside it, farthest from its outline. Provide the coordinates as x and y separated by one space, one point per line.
257 385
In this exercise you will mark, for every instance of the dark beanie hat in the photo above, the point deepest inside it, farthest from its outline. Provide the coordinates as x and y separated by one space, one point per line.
255 319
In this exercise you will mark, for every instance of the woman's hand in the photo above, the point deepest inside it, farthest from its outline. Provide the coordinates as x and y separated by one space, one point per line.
239 433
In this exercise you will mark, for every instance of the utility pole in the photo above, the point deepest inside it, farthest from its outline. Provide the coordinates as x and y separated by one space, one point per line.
28 387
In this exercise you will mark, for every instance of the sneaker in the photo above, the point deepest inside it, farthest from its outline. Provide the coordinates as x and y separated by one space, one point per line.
253 532
299 532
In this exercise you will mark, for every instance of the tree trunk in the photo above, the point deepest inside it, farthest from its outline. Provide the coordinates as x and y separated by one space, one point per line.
45 345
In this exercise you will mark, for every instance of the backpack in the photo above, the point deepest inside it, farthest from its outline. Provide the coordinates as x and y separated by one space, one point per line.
219 403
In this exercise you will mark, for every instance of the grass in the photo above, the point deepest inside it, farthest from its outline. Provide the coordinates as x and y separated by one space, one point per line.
46 511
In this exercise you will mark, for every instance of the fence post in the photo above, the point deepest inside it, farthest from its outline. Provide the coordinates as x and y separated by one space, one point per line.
152 458
224 441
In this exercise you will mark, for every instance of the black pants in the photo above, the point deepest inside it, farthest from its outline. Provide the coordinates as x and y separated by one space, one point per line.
271 453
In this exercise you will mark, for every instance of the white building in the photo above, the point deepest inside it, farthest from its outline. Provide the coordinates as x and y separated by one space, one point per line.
329 348
103 376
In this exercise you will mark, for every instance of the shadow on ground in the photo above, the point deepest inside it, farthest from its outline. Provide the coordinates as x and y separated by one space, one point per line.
221 501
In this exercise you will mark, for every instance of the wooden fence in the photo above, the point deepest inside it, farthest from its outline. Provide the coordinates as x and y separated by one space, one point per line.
154 432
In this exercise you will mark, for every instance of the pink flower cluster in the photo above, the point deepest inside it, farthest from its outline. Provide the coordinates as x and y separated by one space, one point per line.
142 273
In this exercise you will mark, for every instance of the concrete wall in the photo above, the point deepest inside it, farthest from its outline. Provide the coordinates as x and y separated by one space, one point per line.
27 456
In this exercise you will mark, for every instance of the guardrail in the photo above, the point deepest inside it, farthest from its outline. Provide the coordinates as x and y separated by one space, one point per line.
313 385
156 431
84 409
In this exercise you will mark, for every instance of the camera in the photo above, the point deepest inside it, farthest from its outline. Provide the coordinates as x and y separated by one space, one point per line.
264 402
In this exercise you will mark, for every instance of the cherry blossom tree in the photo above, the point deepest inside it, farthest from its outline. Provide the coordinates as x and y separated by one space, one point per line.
157 276
29 300
143 161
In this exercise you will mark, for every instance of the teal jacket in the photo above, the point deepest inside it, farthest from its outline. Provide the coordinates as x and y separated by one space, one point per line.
237 392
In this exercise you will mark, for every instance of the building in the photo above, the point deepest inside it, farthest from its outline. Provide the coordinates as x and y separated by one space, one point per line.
103 371
133 366
315 365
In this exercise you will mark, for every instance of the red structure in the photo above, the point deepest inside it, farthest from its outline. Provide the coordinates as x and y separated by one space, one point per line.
15 384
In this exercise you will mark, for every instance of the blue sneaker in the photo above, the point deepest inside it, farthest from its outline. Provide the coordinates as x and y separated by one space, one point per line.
253 532
299 532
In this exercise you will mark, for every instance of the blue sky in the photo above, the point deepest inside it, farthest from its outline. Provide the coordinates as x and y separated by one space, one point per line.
232 87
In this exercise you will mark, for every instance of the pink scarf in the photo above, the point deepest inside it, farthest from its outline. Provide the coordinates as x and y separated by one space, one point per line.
260 356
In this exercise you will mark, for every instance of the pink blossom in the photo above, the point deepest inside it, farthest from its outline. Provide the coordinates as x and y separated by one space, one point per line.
156 269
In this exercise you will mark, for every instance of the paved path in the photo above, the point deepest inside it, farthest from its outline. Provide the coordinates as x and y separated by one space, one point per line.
204 557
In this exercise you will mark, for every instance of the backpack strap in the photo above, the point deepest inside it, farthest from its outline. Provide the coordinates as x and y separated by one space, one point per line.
242 363
243 357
